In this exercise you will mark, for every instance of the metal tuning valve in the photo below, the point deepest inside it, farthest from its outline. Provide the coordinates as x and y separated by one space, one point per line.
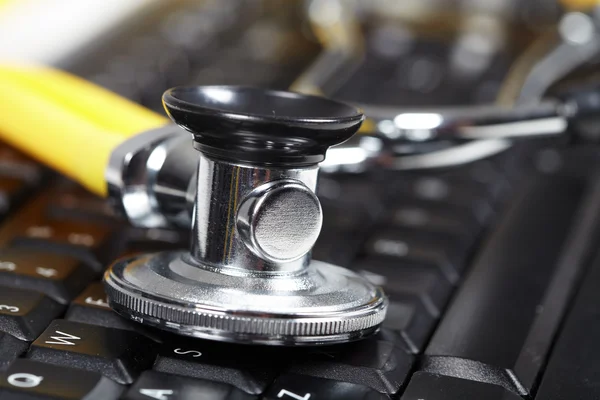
248 276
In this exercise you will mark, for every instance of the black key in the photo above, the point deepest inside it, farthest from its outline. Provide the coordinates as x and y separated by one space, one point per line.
399 280
12 192
33 380
247 368
17 165
350 208
155 385
488 328
80 239
444 191
453 222
59 276
411 321
91 307
117 354
141 240
352 193
10 349
24 313
427 386
515 162
377 362
336 247
298 387
572 371
413 247
71 201
75 233
484 173
351 218
344 230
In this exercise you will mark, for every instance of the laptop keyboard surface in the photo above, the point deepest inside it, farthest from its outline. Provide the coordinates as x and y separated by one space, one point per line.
480 262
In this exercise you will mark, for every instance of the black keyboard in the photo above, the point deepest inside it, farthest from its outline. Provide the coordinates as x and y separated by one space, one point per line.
491 269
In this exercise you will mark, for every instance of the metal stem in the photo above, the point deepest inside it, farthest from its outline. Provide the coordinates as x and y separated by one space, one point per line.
216 243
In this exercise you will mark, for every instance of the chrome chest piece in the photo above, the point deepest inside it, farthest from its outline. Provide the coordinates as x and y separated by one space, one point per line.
248 276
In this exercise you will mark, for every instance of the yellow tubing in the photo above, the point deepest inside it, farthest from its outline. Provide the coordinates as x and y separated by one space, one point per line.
93 103
55 136
579 4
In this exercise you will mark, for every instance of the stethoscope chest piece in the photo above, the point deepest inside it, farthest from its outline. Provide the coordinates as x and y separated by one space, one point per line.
248 276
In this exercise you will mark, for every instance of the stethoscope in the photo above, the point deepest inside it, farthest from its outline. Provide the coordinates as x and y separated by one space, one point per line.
240 166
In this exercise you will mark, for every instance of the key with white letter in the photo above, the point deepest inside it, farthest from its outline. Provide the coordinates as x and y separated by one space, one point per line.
60 277
248 368
298 387
117 354
91 307
26 377
25 313
152 385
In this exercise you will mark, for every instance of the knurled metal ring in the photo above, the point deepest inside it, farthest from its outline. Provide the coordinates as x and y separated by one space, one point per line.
164 301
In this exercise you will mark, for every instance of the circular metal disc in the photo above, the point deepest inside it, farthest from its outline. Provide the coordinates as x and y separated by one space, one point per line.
280 220
324 304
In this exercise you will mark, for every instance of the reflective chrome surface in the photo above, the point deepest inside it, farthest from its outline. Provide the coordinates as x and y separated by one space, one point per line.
248 276
280 220
224 187
470 122
323 304
151 178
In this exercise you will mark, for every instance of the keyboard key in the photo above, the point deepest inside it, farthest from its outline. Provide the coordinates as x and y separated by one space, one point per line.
491 318
422 282
426 386
33 380
16 164
413 247
12 192
352 193
140 240
25 314
436 218
71 201
61 277
74 233
484 173
91 307
80 239
345 219
117 354
32 227
155 385
572 371
336 247
10 349
344 230
411 321
444 191
298 387
376 362
349 209
515 163
247 368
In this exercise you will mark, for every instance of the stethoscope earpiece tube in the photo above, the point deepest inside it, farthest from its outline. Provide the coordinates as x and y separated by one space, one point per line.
69 124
